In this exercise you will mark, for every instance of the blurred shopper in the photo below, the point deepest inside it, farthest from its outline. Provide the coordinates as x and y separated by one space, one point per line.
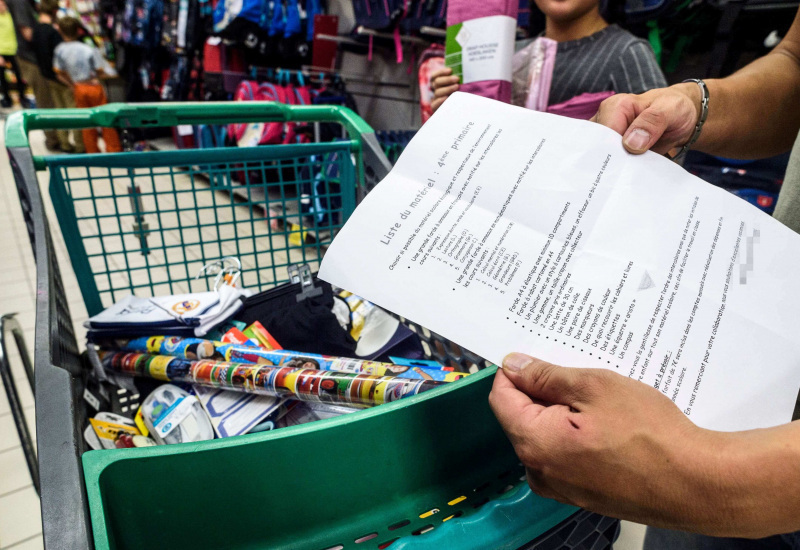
45 40
80 67
8 57
24 15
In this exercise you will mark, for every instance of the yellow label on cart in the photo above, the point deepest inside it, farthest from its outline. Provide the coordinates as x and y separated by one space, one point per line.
157 366
110 431
139 421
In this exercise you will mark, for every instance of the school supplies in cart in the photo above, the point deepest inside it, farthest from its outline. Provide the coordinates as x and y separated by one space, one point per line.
303 383
235 413
172 415
196 348
191 314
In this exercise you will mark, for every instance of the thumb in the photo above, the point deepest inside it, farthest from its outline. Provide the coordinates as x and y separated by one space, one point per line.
544 381
646 129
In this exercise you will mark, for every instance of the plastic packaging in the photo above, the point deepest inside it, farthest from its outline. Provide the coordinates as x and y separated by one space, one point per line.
304 384
174 416
196 348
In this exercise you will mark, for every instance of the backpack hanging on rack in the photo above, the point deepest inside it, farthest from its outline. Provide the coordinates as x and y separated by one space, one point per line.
141 23
249 134
377 14
424 13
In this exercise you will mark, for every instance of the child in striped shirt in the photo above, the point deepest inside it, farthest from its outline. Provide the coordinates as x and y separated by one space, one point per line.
591 57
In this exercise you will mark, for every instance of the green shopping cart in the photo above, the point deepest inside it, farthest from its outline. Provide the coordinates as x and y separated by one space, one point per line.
433 471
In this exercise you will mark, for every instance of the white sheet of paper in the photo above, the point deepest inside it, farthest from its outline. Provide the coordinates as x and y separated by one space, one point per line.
506 230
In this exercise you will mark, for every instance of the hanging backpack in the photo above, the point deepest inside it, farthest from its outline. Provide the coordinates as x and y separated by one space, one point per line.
227 12
250 134
293 24
424 13
313 8
247 91
210 136
377 14
141 24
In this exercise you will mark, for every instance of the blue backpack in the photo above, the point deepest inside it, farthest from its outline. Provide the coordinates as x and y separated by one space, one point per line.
141 24
210 136
255 11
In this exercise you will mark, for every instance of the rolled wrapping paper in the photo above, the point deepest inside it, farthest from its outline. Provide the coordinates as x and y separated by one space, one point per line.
304 384
197 348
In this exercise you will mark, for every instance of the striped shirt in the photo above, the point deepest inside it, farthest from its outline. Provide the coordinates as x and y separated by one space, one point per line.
609 60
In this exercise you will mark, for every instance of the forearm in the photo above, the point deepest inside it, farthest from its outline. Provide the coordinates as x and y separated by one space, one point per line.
763 492
740 484
64 79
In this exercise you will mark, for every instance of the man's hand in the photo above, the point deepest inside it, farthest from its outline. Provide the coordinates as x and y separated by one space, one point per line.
604 442
660 120
443 84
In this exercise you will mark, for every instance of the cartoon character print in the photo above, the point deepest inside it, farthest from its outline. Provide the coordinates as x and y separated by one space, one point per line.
128 363
300 362
140 364
328 390
201 371
154 344
242 377
170 344
179 369
279 383
354 392
368 389
202 349
308 383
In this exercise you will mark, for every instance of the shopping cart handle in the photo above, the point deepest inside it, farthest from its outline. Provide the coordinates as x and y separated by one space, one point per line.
143 115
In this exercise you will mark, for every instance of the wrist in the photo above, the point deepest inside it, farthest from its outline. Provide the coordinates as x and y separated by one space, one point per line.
702 115
692 92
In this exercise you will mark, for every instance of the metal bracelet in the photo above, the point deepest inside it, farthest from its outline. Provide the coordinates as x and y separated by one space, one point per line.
700 122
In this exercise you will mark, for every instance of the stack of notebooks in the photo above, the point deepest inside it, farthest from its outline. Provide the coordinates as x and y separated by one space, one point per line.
191 314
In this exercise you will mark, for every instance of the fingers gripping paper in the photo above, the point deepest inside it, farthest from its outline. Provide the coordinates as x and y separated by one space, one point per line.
510 230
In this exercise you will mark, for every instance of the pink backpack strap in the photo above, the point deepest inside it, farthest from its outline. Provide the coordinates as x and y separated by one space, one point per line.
273 131
245 92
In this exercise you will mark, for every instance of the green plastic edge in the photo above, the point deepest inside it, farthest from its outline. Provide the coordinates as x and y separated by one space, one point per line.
143 115
123 115
497 520
94 462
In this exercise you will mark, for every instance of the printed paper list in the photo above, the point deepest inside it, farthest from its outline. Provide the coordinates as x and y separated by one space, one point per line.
517 231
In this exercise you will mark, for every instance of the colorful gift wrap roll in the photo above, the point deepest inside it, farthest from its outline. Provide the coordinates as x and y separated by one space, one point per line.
194 349
304 384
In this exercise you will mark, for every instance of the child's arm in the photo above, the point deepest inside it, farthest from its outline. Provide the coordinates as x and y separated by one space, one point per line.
102 68
63 77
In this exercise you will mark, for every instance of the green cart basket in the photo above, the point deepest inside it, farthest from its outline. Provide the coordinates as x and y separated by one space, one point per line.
433 471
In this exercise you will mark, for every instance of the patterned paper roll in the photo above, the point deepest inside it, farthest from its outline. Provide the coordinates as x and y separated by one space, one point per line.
305 384
196 348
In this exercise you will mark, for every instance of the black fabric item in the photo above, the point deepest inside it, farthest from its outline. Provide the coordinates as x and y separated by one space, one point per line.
45 40
308 326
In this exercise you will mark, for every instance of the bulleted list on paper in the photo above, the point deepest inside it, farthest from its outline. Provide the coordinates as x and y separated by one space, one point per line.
508 230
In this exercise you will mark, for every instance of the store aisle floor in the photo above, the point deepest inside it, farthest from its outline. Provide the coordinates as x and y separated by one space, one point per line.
20 518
